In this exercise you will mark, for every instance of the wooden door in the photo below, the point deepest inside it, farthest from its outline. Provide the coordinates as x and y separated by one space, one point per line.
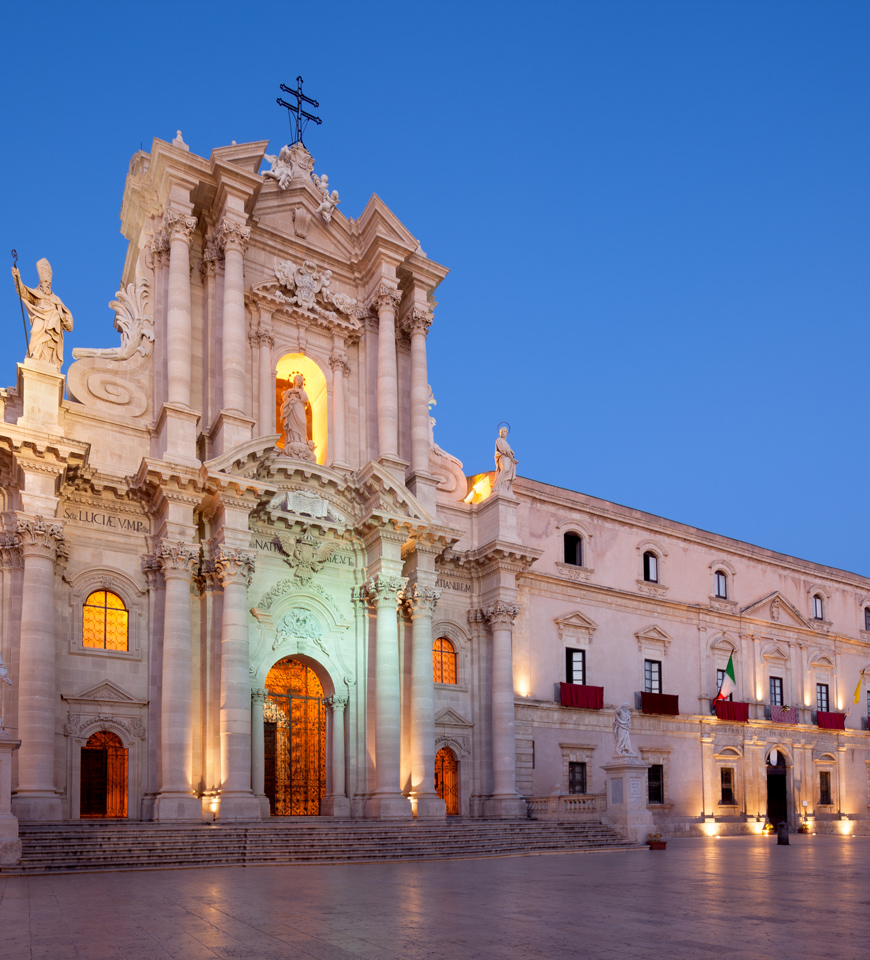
447 779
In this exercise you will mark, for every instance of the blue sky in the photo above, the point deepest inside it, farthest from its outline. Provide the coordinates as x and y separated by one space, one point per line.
655 215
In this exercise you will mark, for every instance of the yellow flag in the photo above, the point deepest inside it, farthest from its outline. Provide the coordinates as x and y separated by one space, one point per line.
857 690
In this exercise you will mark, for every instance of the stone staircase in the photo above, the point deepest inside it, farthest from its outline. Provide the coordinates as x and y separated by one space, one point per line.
106 845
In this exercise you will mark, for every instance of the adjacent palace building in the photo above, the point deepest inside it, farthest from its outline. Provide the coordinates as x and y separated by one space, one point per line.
239 579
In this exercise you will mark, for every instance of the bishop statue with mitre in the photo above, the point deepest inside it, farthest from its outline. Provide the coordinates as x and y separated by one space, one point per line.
49 317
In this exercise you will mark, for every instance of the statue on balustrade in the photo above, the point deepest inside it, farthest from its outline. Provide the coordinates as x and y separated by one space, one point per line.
49 317
505 464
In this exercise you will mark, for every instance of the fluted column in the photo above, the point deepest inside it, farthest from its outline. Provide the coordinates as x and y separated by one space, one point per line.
505 799
420 603
235 568
340 371
233 237
417 324
36 797
385 303
266 378
258 751
179 230
176 799
337 803
383 593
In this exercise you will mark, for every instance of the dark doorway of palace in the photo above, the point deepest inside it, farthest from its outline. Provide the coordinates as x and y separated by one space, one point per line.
295 740
104 777
447 779
777 791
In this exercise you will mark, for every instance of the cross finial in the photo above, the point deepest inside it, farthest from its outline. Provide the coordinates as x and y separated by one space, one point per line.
295 114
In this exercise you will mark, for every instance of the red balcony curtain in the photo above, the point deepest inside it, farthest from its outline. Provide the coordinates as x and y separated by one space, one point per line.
581 695
831 721
664 703
736 712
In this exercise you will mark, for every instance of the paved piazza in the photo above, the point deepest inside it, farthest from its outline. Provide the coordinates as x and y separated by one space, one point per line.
741 897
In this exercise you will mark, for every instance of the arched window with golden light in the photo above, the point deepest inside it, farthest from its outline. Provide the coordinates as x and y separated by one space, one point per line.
444 661
105 621
307 408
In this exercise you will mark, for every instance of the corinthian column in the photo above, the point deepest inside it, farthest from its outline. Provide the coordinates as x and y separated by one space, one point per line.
179 230
36 797
420 602
258 750
233 237
266 378
340 371
383 592
176 799
505 801
237 802
337 803
417 324
385 303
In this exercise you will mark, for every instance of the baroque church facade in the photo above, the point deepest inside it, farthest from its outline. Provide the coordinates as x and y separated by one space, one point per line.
239 578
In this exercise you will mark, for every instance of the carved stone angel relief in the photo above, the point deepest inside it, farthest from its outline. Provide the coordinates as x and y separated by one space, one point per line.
305 555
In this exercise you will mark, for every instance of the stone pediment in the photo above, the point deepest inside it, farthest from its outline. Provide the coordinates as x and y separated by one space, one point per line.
575 626
385 497
653 635
776 608
106 692
450 718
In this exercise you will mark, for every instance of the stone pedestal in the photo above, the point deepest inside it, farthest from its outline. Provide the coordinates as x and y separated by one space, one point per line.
504 807
627 798
41 387
176 434
230 429
10 845
423 486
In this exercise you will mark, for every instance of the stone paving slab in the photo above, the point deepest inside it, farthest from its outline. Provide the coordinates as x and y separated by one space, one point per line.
742 897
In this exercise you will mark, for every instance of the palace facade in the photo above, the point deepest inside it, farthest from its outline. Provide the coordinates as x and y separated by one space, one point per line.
239 578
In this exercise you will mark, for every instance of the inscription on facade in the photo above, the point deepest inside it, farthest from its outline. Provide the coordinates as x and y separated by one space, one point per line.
107 520
270 546
457 585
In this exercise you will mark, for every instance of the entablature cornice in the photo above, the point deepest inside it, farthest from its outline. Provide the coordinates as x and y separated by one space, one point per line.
497 554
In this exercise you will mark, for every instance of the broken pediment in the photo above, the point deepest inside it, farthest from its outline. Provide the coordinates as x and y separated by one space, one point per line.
105 692
777 609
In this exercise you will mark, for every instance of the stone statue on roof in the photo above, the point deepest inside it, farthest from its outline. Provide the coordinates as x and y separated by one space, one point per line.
49 317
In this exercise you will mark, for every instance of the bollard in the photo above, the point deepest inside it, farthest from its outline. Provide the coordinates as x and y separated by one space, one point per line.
782 833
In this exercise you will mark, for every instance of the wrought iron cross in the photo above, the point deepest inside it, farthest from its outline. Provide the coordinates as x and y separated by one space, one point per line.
295 114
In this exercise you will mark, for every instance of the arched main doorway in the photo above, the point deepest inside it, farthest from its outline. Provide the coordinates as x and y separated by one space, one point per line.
294 731
103 777
447 779
777 789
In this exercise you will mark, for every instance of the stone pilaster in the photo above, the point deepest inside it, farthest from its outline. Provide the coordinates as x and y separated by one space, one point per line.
266 382
233 238
37 797
417 325
336 804
179 231
258 755
340 372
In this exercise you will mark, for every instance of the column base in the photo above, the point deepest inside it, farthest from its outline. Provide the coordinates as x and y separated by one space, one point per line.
37 806
177 806
507 808
429 808
335 807
392 807
244 806
265 807
10 852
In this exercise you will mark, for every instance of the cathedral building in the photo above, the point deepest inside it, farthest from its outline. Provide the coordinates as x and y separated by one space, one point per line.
240 580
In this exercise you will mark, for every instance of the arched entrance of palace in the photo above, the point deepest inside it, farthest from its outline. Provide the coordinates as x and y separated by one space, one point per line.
103 777
447 779
777 788
294 731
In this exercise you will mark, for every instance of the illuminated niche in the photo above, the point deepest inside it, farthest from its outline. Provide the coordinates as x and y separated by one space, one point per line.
288 367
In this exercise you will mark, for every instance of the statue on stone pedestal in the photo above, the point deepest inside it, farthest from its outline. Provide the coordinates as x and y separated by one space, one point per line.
621 728
49 318
505 464
295 420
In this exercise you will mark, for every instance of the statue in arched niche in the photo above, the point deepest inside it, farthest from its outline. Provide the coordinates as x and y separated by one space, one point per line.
296 418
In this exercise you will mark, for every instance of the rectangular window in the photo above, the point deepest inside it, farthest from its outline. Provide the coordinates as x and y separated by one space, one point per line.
818 610
721 586
652 676
575 666
822 697
655 780
573 549
825 788
727 780
720 676
867 618
576 778
776 691
651 568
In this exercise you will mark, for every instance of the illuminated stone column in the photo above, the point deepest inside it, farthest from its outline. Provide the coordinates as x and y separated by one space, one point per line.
258 754
417 324
383 593
237 802
337 803
340 371
37 798
266 377
179 230
385 303
420 602
708 799
233 237
176 799
505 801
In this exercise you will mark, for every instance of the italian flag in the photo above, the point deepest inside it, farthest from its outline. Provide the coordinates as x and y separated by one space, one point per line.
729 684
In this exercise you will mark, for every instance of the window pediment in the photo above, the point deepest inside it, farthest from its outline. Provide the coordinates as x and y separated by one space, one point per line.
653 637
576 627
105 692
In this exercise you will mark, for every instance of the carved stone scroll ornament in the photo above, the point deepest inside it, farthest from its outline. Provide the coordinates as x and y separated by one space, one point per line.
116 379
299 624
77 722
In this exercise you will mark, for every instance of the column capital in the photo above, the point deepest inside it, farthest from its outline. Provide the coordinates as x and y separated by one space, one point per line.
421 601
417 322
151 568
383 591
232 235
339 361
10 551
502 613
337 703
40 538
259 695
178 226
178 560
235 566
386 298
